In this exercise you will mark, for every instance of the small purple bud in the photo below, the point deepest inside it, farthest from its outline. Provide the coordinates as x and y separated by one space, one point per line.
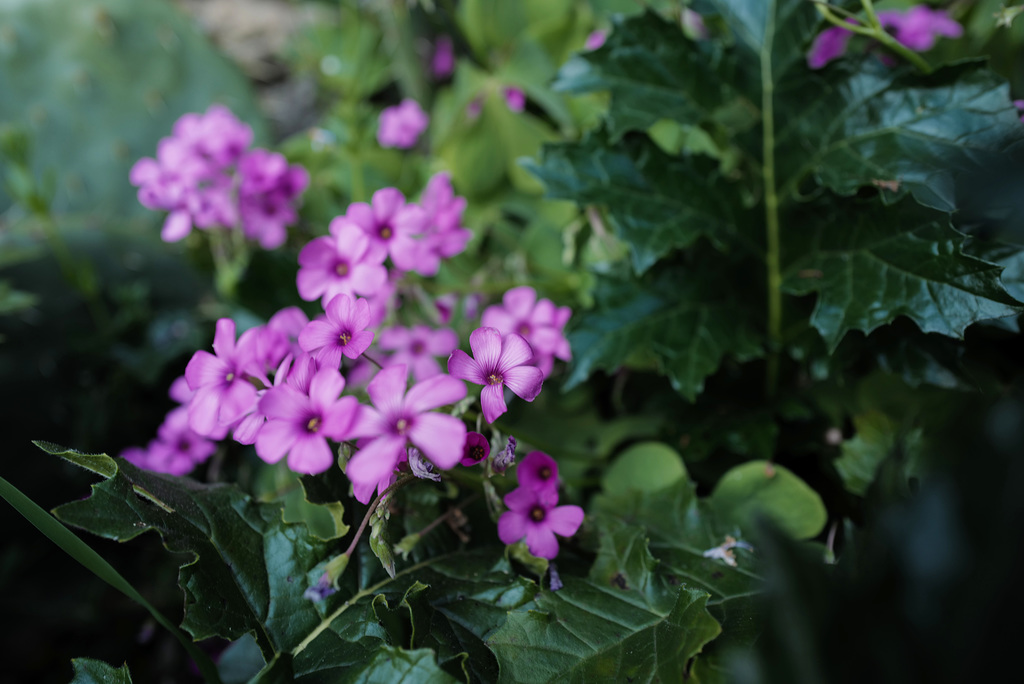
507 458
319 591
421 467
515 98
554 581
595 39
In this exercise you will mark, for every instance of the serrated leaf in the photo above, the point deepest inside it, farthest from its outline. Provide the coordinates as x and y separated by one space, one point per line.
249 567
655 202
585 632
762 488
652 72
624 560
684 322
90 671
872 265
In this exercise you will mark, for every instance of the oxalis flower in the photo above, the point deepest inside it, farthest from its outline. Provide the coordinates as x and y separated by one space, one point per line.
299 424
398 418
497 363
533 514
343 333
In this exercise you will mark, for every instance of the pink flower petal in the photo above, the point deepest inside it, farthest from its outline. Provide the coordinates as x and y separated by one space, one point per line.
486 346
224 338
493 402
318 334
375 460
519 301
564 520
524 381
177 225
325 387
205 369
284 403
461 366
274 440
511 527
515 351
433 392
541 541
387 389
439 437
310 455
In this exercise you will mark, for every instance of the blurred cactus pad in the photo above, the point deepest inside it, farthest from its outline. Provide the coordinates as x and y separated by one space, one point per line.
96 83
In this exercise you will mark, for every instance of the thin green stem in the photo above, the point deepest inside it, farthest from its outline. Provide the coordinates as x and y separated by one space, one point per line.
875 31
771 209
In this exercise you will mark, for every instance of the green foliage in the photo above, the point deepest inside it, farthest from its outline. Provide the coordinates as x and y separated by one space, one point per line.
108 77
89 671
761 488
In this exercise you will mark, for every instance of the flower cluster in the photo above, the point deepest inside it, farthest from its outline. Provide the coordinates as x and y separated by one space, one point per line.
917 28
205 176
540 322
533 511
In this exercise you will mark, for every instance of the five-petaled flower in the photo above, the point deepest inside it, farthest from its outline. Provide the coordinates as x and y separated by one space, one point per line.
535 515
343 333
497 363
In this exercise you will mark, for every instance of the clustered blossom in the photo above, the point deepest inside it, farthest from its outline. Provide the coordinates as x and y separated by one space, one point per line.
540 322
206 178
281 386
400 126
497 362
534 513
917 29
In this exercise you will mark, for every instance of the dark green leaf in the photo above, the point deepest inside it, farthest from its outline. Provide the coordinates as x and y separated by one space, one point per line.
655 202
873 265
249 569
89 671
586 632
877 437
397 665
684 323
652 72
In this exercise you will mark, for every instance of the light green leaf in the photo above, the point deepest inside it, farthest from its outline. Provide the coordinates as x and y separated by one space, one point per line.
644 467
877 436
763 488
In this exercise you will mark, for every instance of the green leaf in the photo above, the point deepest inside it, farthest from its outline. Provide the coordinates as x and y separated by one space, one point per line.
863 123
89 671
646 466
654 201
398 665
886 263
877 437
625 561
249 568
652 72
760 487
684 322
586 632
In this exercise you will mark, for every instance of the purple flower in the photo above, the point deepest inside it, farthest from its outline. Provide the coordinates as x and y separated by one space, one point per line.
400 126
539 472
476 450
497 363
919 27
177 448
533 514
515 99
595 39
216 136
390 224
341 263
444 236
828 45
539 321
443 62
298 424
222 389
267 189
417 346
343 333
398 418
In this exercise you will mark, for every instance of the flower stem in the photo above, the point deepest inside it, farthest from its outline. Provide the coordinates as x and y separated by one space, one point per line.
449 513
771 210
401 482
